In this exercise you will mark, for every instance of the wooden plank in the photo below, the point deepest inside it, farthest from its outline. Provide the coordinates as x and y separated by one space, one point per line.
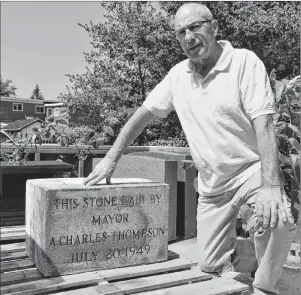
148 269
154 282
47 167
86 291
13 247
21 275
71 149
16 265
6 218
216 286
12 221
13 256
12 213
53 284
11 233
102 150
12 229
178 150
13 236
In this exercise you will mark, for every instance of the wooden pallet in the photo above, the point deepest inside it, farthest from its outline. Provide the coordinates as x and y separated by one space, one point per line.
174 277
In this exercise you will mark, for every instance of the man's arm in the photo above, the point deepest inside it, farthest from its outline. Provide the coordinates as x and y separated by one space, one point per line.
270 196
135 125
268 150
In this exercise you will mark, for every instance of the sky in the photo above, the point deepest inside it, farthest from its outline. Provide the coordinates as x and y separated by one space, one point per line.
41 42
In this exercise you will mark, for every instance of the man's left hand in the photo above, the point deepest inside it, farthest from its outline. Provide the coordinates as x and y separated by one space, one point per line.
268 201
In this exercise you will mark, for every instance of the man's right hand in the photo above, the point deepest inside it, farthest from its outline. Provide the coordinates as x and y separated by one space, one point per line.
140 119
102 170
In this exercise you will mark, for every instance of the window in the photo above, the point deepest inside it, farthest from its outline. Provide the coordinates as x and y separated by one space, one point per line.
56 111
49 112
18 107
40 110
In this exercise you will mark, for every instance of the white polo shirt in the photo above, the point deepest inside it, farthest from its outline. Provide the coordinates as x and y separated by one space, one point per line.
216 114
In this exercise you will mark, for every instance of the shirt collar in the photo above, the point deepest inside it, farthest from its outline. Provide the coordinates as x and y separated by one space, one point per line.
222 62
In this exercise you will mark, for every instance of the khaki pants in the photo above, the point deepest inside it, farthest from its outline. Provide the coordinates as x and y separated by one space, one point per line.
218 244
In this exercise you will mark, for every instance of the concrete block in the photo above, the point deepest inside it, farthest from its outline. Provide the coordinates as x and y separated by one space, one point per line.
186 193
155 169
187 206
72 228
171 156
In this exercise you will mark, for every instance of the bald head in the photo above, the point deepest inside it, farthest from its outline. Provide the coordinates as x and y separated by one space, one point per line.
189 10
196 31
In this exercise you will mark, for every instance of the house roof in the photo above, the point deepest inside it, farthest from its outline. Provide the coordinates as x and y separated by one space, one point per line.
21 100
2 124
20 124
58 104
15 97
29 100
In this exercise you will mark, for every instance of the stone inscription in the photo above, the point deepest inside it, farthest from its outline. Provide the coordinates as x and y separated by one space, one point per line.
93 202
108 219
110 253
105 235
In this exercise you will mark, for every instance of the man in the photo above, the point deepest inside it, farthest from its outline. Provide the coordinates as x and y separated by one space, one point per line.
225 104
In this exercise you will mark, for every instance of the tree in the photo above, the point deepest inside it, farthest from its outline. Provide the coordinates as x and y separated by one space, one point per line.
36 94
130 56
135 47
6 88
270 29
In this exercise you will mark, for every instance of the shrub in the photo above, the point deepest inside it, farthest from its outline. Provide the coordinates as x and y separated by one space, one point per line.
287 127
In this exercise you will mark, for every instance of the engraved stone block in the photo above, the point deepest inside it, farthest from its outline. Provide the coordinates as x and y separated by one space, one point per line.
72 228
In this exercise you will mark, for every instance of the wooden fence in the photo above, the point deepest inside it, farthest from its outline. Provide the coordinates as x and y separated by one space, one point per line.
45 151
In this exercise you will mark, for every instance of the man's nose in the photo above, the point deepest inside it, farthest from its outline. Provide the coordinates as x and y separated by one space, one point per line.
188 35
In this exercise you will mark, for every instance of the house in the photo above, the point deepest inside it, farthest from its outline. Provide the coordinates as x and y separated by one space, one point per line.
58 110
23 127
14 108
54 108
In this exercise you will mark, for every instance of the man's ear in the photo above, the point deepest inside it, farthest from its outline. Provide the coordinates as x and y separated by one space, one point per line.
214 25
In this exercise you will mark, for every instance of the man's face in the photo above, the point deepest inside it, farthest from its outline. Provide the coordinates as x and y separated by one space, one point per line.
195 33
